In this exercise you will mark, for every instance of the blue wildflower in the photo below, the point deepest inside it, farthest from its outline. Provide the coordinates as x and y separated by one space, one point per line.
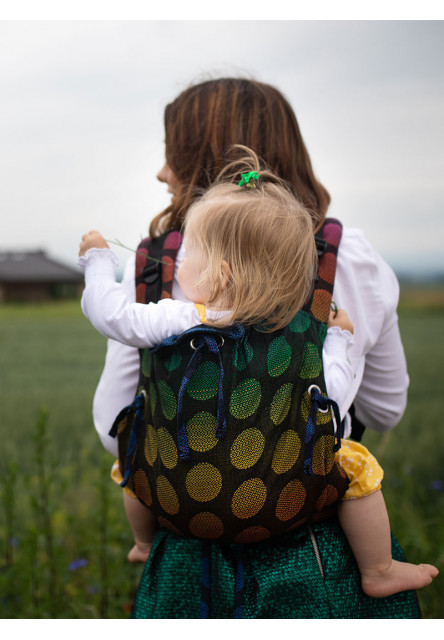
436 485
78 564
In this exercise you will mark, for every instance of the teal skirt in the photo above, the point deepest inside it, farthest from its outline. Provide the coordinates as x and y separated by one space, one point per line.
308 573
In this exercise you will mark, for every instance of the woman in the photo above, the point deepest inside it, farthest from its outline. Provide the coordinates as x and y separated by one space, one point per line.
200 125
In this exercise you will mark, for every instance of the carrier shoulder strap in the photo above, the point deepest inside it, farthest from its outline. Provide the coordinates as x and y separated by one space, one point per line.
155 261
327 243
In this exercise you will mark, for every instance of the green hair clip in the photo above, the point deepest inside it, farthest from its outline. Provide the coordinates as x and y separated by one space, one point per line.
246 177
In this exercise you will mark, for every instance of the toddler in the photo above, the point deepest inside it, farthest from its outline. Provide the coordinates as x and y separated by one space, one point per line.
229 277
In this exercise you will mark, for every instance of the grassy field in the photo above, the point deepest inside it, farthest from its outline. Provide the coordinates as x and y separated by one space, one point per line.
63 535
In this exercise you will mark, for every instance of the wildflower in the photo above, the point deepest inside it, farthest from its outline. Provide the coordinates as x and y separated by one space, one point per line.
436 485
78 564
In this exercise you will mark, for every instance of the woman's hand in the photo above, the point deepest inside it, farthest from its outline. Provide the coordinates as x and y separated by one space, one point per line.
92 240
339 318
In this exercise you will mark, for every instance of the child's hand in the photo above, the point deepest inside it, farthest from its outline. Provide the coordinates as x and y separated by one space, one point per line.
92 240
339 318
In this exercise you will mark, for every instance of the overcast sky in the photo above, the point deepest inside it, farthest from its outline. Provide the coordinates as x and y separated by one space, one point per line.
81 127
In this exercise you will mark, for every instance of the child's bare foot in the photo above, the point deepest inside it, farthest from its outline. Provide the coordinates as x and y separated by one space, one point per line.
140 552
398 576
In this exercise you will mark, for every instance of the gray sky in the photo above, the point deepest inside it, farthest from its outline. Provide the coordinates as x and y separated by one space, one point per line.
81 127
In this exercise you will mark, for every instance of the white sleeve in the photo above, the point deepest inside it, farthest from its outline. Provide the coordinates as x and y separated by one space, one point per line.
338 372
105 304
366 287
118 381
382 396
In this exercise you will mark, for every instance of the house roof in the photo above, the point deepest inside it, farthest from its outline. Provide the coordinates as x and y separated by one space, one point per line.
35 266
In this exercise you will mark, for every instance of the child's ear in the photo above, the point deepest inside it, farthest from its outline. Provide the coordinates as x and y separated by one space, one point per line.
225 273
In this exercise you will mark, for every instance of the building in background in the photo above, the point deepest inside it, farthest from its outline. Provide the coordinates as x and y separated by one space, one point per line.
32 276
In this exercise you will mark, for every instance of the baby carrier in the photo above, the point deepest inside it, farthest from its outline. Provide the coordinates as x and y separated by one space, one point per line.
250 456
231 436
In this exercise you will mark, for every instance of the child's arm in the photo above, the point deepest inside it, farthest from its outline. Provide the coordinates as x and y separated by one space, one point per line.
338 372
105 304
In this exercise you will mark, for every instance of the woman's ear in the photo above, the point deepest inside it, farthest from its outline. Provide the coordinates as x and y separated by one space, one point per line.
225 273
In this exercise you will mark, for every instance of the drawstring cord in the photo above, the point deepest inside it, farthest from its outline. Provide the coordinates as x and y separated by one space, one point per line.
205 593
205 581
319 403
201 336
240 583
138 408
199 343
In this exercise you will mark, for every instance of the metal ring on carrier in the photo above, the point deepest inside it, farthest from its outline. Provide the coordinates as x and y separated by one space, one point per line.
193 346
310 389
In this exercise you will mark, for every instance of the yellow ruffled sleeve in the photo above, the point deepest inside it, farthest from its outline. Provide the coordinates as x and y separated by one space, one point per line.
362 469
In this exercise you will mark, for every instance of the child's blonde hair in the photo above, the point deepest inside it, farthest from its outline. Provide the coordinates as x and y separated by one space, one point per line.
267 238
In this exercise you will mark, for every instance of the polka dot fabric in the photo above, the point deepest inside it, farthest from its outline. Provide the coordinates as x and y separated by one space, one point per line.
320 305
249 484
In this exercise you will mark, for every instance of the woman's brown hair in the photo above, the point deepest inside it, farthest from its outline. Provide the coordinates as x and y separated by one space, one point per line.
208 118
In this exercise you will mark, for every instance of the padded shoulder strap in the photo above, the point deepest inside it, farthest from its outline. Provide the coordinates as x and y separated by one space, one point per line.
327 241
155 261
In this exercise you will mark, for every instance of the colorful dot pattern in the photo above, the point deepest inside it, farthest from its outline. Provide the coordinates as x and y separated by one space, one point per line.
320 304
249 484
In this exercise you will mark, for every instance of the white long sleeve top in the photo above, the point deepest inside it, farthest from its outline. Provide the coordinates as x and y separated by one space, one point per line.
123 321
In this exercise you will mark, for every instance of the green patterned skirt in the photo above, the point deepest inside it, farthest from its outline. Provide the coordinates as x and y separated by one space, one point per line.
308 573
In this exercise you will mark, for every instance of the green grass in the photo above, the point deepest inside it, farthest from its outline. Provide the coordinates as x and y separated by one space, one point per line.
50 357
63 534
413 454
